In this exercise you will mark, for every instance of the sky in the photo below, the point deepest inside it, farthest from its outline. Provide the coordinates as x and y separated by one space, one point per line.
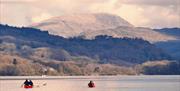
140 13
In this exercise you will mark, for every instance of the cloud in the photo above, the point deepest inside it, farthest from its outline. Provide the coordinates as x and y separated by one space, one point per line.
149 13
161 16
145 13
43 16
16 1
153 2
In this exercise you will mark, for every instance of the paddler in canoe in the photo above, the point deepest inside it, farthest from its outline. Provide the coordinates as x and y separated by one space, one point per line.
27 84
91 84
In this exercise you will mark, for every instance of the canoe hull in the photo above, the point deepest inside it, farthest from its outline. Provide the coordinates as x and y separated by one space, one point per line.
27 87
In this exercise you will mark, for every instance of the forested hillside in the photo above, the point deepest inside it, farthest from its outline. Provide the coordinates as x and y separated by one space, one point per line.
29 51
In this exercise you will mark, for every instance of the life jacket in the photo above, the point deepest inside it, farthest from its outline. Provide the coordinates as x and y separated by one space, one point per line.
30 83
91 85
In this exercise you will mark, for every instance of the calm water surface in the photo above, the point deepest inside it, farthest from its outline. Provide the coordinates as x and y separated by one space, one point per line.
105 83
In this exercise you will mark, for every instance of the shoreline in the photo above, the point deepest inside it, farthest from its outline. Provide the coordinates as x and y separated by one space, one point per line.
85 77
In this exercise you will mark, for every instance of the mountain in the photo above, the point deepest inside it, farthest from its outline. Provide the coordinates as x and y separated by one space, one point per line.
91 25
29 51
173 46
170 31
88 44
104 48
73 25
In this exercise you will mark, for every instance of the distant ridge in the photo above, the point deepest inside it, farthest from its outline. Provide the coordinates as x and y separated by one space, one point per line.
91 25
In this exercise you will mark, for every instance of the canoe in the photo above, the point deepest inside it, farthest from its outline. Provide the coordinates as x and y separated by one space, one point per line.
27 87
91 85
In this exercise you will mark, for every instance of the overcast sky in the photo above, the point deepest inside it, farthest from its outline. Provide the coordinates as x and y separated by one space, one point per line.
144 13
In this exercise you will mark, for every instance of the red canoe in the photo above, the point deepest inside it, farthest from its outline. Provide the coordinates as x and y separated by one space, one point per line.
91 85
28 87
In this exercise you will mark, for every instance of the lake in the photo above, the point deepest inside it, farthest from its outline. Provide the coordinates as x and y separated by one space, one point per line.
103 83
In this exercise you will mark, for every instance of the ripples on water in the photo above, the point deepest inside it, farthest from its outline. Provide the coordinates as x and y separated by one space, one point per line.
106 83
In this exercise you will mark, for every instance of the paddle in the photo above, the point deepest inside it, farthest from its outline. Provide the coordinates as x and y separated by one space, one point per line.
40 85
36 86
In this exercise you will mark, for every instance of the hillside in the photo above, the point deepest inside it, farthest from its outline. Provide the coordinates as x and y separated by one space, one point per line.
74 25
173 46
91 25
55 55
104 47
170 31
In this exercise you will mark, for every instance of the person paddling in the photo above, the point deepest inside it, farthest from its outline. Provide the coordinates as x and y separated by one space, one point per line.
25 83
28 84
91 84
